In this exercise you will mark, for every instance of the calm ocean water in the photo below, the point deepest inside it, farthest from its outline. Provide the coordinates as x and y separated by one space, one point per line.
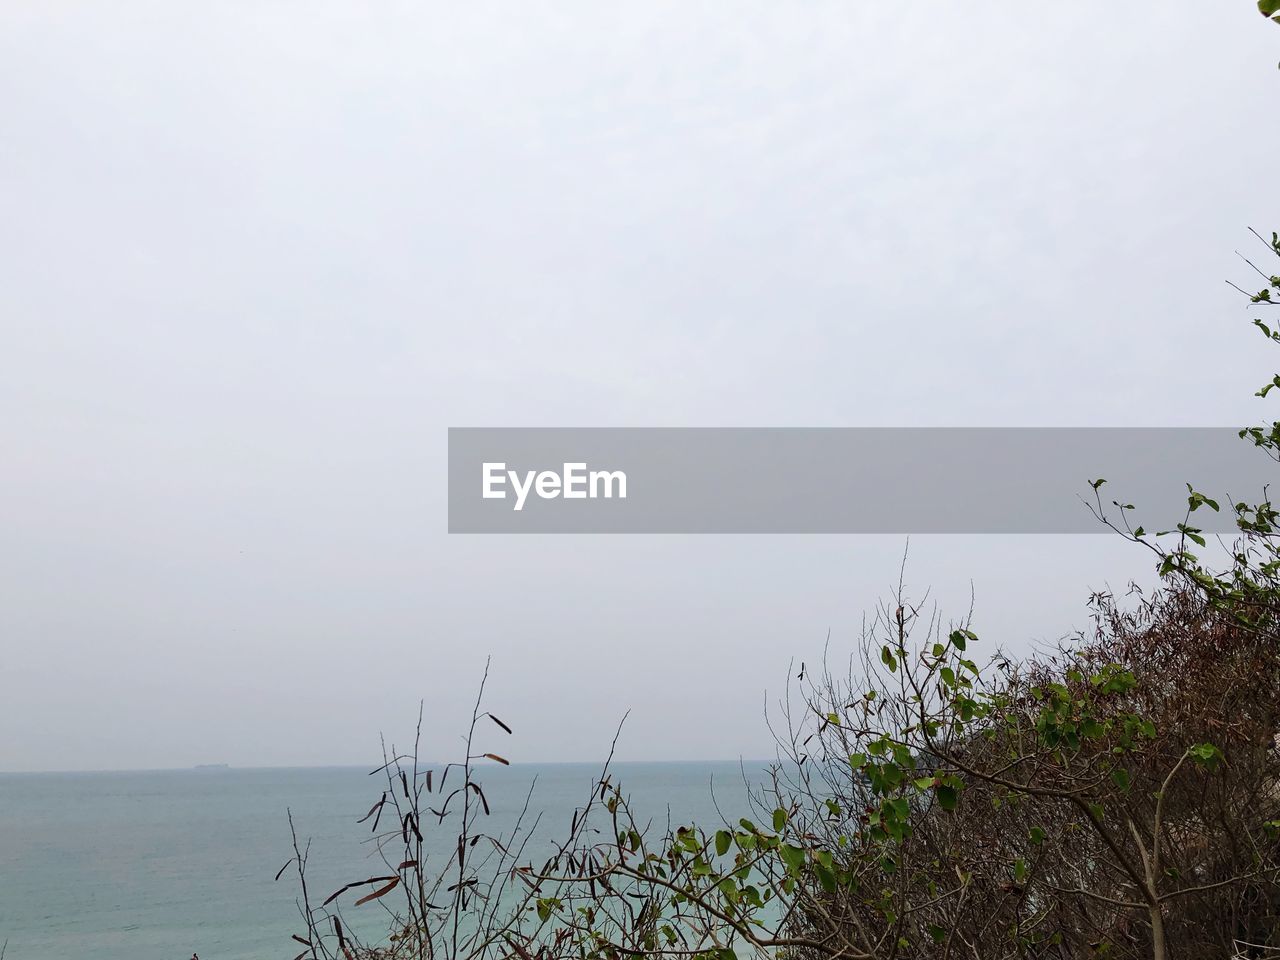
158 865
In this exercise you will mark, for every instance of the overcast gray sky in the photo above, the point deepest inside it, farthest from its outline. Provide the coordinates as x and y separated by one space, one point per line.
256 257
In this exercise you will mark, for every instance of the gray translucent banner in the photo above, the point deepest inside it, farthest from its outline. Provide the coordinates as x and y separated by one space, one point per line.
855 480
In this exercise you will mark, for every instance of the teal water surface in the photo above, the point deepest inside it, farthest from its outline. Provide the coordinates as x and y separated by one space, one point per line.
161 865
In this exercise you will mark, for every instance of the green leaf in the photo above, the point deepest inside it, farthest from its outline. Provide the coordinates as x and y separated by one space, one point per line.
779 820
723 840
1206 754
793 857
826 878
948 797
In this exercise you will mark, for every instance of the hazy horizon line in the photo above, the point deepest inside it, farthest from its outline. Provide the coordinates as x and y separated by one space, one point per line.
214 768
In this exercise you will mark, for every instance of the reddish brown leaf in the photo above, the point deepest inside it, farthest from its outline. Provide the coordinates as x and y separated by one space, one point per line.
374 809
359 883
380 892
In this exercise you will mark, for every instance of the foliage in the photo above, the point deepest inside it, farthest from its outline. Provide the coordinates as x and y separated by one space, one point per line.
1116 796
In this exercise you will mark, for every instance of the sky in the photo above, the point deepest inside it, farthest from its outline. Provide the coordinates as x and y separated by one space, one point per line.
256 258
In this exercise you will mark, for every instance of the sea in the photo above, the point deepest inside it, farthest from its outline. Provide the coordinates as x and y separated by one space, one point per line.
164 865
